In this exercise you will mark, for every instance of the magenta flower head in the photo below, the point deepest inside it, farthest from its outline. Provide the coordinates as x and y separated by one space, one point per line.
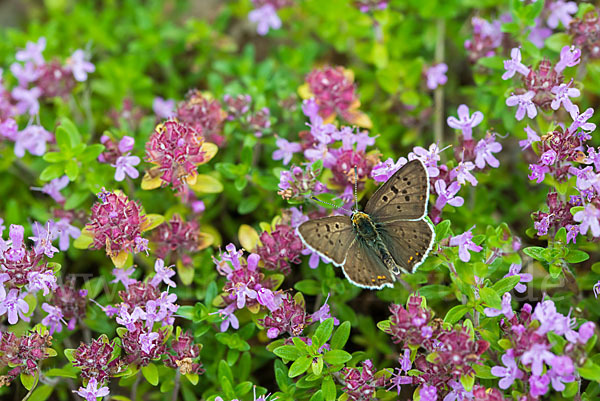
465 244
465 122
524 103
177 150
96 359
436 75
334 91
280 248
185 352
204 114
569 57
514 65
290 318
361 384
116 224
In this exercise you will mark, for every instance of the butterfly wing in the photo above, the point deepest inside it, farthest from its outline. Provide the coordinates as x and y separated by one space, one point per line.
403 196
409 242
328 236
364 268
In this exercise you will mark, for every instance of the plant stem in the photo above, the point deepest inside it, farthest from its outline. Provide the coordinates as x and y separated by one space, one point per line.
135 386
438 95
177 384
37 379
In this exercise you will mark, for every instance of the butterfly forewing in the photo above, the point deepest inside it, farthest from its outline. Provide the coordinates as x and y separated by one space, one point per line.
364 268
403 196
408 242
328 236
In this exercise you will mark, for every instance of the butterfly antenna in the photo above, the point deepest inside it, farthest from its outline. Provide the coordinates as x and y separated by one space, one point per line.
355 187
330 204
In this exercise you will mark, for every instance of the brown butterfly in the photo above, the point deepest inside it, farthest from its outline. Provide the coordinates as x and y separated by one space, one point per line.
390 237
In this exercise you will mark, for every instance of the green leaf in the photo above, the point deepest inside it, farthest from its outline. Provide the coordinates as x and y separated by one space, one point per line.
576 256
42 393
76 199
186 312
27 380
456 313
281 376
309 287
589 371
557 41
490 297
323 332
150 372
535 252
53 171
70 130
506 284
317 396
337 357
288 352
483 371
328 389
249 204
72 170
300 366
317 366
442 229
224 371
340 337
207 184
55 157
91 153
570 390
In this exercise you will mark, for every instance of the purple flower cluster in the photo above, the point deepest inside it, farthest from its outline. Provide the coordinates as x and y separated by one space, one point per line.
25 270
203 114
116 223
298 183
530 358
585 32
118 155
487 37
360 384
544 87
37 79
455 350
178 240
265 15
23 354
279 248
67 306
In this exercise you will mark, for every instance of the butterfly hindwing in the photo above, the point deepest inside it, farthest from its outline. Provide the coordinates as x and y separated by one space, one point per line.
408 242
328 236
403 196
364 268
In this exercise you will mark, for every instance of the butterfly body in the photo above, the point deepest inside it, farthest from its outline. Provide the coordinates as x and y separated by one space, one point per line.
391 235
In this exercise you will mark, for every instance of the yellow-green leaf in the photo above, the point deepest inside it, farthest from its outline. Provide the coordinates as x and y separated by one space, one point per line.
207 184
248 237
152 221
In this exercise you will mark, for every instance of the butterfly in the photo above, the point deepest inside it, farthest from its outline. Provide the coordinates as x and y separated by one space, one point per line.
390 237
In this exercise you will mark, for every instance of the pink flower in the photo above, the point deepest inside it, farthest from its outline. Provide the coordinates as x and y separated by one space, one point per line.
589 219
462 173
53 188
514 270
33 52
532 137
447 195
14 305
484 152
265 18
122 275
33 139
382 171
125 166
436 75
163 108
27 100
524 104
163 274
91 392
79 66
465 244
569 57
514 65
563 94
536 356
505 310
510 373
286 150
560 11
464 121
580 120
